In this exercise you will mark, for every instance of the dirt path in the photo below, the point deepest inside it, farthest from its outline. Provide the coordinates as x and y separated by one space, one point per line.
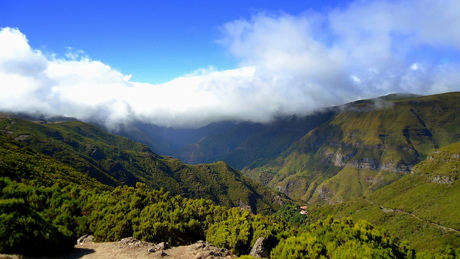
113 250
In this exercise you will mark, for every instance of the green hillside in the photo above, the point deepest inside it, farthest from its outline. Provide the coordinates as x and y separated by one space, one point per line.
45 205
421 207
366 145
39 201
115 160
63 179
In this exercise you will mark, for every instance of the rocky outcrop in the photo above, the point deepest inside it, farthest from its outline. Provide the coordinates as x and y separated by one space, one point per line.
160 247
22 137
199 250
206 250
132 248
132 242
325 193
261 248
444 179
291 186
85 239
341 158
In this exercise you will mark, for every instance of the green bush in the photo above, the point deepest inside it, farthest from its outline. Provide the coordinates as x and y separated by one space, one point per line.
24 231
331 238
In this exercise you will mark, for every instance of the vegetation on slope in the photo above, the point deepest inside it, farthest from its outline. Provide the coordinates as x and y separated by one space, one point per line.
365 146
46 204
115 160
39 201
331 238
421 207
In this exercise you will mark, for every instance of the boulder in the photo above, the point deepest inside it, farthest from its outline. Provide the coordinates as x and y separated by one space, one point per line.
261 248
159 247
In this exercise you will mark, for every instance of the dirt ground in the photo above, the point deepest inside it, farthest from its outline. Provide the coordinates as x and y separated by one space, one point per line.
115 250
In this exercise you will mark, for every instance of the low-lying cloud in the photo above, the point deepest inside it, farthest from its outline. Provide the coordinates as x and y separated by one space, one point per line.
288 65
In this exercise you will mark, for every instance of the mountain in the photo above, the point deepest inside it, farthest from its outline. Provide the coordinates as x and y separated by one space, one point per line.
168 140
364 146
421 207
45 205
392 161
330 156
115 160
239 144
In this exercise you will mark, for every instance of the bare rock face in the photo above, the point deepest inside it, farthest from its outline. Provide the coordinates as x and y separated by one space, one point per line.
261 248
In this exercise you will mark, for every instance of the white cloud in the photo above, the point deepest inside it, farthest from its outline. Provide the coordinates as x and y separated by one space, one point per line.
288 64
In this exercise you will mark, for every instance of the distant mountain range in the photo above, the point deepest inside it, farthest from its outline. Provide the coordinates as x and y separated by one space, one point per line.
330 156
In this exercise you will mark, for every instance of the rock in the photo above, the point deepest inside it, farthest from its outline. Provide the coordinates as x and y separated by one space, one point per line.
22 137
132 242
159 247
199 245
443 179
204 250
158 253
85 239
163 246
261 248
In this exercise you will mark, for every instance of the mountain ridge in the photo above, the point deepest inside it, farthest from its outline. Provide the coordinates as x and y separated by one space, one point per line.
373 146
312 158
115 160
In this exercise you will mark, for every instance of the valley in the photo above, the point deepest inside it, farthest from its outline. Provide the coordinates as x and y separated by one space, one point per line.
360 146
391 162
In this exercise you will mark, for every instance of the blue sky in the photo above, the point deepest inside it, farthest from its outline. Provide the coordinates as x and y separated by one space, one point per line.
189 63
155 41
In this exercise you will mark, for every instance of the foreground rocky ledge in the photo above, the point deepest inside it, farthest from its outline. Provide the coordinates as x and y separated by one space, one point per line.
132 248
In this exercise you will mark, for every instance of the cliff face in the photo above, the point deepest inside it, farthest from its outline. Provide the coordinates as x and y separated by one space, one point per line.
363 147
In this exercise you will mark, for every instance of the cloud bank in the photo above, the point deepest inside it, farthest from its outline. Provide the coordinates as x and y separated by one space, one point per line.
287 65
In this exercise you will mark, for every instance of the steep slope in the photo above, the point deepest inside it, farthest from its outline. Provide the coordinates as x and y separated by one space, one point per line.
421 207
218 143
365 146
248 144
39 201
45 204
115 160
168 140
